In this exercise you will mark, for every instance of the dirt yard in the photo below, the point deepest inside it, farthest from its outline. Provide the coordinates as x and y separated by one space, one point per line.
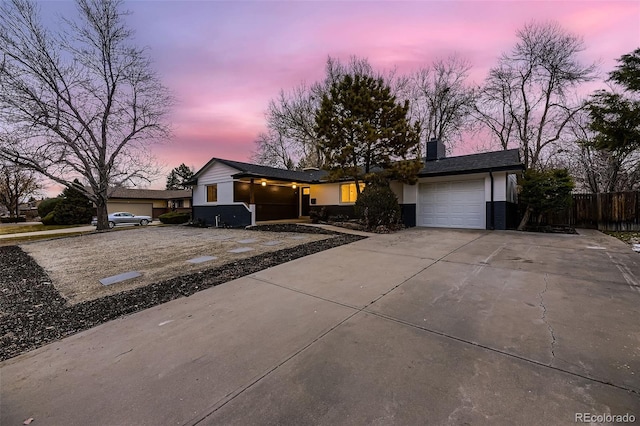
76 265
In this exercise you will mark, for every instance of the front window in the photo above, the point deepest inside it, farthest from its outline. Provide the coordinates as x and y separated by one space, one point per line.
212 193
348 193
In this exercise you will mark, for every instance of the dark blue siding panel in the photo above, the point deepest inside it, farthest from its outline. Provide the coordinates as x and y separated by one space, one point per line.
505 215
408 215
233 216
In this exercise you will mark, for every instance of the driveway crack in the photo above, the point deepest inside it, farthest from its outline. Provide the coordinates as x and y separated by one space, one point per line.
544 318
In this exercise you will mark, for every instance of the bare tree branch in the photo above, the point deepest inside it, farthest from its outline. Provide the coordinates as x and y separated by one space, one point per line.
529 97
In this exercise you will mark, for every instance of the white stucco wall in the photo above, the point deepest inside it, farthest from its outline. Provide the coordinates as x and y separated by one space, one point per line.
499 187
409 194
398 190
220 174
326 194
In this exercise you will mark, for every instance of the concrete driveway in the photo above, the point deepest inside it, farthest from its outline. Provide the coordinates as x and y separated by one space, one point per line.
420 327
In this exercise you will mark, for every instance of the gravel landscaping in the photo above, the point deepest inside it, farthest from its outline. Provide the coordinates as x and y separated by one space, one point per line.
33 312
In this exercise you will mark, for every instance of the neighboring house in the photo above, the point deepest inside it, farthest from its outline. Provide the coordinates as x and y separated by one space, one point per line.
471 191
29 209
148 202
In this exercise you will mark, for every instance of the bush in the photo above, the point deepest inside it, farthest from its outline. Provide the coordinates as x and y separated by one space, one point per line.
49 219
377 206
175 217
318 215
198 223
46 206
545 191
339 218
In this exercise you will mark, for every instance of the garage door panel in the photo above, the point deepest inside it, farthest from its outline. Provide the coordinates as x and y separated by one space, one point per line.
140 209
455 204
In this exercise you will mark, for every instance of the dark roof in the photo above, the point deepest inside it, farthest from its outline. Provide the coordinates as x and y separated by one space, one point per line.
158 194
258 171
508 160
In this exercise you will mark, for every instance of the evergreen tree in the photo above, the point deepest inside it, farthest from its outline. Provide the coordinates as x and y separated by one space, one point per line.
363 131
545 191
179 176
615 117
75 208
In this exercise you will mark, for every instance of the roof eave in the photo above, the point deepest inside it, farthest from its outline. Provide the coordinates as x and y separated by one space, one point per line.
268 176
509 168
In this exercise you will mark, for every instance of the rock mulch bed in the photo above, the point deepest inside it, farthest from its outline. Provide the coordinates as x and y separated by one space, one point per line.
33 313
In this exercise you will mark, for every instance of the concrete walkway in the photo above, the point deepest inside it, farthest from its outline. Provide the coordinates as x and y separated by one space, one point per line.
423 326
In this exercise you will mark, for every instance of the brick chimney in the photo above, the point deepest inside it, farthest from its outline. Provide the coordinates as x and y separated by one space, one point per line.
435 150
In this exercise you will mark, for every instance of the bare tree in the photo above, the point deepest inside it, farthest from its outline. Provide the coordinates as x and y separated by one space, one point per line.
16 185
290 120
493 107
81 101
529 97
440 99
275 150
597 169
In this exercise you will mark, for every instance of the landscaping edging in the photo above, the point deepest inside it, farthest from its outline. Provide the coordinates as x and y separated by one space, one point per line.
33 313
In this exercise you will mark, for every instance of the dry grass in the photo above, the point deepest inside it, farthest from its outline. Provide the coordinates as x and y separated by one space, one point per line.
76 264
19 229
624 236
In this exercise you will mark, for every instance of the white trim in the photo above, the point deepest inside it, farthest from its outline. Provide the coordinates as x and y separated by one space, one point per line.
252 209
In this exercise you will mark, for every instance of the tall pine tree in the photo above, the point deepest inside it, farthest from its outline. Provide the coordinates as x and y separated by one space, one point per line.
364 131
615 116
74 208
178 177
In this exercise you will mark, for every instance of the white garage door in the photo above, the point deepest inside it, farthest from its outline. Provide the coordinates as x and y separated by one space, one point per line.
455 204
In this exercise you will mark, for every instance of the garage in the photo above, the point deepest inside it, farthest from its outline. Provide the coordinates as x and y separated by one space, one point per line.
139 209
452 204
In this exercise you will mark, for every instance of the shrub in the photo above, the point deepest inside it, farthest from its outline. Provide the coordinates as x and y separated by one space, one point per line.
339 218
49 219
318 215
46 206
198 223
545 191
175 217
378 206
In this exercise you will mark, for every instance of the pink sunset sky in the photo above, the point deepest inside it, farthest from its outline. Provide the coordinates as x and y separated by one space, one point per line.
224 61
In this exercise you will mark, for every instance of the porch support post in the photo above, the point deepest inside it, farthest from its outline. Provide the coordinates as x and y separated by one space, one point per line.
251 194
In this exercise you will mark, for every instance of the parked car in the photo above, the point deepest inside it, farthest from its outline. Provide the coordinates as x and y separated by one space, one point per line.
125 218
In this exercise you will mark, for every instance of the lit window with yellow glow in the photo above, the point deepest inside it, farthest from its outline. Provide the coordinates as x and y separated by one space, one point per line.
348 193
212 193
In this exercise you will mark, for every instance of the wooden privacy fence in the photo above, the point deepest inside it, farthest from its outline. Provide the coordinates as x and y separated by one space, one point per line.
612 211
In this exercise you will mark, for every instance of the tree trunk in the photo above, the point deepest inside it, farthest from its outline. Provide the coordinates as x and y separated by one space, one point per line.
525 218
101 214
